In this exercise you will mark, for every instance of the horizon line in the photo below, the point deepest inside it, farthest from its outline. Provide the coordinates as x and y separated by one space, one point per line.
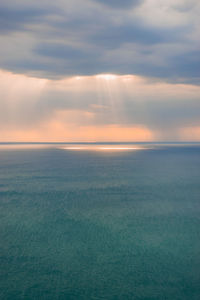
102 142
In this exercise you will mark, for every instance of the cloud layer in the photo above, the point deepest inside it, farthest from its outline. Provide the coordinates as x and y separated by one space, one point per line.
64 38
99 70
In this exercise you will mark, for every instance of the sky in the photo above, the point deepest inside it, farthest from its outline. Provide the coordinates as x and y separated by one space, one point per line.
99 70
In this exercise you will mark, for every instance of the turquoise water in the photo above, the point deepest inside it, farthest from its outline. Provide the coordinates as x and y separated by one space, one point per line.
85 224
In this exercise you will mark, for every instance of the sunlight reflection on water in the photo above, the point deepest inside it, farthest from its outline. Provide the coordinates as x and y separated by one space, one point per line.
104 148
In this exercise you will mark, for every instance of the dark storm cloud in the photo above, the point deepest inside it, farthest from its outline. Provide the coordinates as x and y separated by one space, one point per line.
63 61
188 64
62 51
114 36
63 39
183 68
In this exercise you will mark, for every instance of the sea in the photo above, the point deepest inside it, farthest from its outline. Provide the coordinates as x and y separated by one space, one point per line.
100 221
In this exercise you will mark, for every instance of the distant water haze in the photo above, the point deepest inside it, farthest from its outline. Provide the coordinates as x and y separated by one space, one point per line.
103 146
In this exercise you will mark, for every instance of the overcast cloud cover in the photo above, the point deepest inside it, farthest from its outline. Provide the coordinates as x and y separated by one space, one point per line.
63 38
46 45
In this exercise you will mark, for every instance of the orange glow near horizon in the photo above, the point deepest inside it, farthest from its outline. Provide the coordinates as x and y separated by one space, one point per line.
29 114
57 132
188 132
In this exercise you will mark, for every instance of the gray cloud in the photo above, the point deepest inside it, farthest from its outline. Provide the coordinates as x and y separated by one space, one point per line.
16 18
119 4
114 36
75 39
63 51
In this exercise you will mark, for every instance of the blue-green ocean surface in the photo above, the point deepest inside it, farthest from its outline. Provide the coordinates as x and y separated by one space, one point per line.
98 224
